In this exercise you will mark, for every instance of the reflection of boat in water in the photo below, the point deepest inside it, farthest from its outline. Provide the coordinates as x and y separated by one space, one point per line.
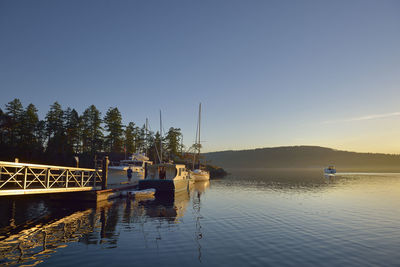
169 207
166 178
201 186
199 189
330 171
137 162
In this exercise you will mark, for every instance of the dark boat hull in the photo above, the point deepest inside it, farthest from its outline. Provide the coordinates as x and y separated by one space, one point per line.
164 186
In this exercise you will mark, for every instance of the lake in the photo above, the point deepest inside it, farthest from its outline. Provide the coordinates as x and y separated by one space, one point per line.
250 218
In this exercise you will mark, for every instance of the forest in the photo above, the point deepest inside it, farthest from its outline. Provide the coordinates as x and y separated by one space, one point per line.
65 134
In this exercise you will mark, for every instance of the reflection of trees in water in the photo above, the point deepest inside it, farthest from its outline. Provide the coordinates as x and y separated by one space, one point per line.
17 212
36 242
50 225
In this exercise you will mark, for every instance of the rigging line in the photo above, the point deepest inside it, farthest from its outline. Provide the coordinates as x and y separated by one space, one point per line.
158 155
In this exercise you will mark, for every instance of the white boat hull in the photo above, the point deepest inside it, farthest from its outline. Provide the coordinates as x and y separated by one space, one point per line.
118 168
329 175
200 176
137 174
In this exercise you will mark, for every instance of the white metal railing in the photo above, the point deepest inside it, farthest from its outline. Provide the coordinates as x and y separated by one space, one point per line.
25 176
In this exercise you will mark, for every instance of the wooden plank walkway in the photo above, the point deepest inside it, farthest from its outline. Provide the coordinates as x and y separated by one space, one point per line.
24 178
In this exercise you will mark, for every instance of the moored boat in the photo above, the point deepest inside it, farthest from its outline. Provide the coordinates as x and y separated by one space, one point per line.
199 175
330 171
166 178
147 193
137 163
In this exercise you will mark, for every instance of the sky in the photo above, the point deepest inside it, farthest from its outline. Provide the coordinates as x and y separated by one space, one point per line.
268 73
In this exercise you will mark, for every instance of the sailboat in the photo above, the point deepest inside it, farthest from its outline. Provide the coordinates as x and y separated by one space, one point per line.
198 174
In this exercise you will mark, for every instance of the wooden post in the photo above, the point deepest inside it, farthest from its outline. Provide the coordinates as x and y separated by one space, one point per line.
48 178
66 178
77 161
104 173
16 170
25 176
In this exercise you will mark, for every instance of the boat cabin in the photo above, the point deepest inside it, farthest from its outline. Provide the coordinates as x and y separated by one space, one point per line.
330 170
133 163
166 171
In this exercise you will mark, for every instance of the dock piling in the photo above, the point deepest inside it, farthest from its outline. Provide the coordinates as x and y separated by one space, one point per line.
104 173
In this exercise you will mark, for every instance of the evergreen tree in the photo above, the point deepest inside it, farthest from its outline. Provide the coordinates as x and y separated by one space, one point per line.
141 143
130 138
55 121
3 130
56 142
113 125
72 128
173 143
91 134
149 144
14 111
155 147
40 134
28 126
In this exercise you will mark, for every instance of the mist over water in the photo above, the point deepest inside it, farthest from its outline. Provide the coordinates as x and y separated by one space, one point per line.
250 218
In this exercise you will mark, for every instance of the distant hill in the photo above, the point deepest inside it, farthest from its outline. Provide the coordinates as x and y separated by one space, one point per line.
303 157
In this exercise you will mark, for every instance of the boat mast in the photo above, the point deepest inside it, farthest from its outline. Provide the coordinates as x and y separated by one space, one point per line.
197 141
182 145
199 145
161 152
145 141
195 146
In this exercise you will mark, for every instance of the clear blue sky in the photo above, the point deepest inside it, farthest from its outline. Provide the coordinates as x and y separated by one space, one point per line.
268 73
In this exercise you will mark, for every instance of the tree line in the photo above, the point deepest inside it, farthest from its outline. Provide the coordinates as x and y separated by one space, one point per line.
64 134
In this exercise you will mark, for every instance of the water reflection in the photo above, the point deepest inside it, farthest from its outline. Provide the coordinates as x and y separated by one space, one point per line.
199 189
249 218
48 226
34 228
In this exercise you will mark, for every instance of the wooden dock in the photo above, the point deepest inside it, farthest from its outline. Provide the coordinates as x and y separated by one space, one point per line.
87 184
24 178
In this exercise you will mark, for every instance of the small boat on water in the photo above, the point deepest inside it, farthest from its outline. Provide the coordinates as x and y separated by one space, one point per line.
137 162
197 174
166 178
147 193
330 171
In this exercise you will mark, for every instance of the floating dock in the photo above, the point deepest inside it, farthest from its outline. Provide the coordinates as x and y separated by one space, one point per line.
17 179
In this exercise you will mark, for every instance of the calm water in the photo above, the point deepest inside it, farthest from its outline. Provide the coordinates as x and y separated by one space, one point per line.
251 218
